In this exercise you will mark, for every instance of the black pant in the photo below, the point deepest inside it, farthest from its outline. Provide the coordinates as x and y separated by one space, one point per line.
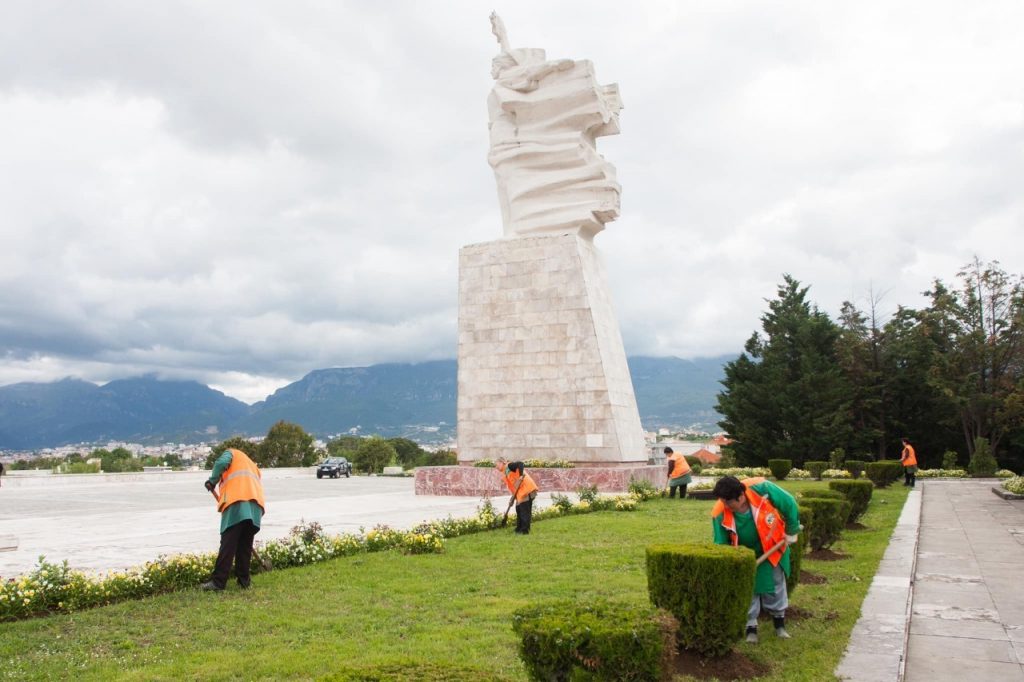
909 477
672 491
524 514
235 546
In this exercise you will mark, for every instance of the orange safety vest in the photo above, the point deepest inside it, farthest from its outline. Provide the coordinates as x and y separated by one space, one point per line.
908 457
512 480
240 482
771 527
680 467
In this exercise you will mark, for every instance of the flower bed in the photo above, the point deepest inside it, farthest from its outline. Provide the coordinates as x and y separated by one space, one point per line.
55 588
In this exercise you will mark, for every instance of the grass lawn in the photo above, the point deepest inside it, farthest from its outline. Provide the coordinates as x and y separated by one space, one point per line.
450 609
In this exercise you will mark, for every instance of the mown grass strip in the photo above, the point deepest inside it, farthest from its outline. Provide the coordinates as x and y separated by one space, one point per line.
450 609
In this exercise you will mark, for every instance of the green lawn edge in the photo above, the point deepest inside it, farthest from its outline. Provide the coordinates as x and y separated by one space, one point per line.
452 609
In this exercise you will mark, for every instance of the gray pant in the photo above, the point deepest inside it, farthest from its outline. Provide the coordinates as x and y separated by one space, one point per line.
775 603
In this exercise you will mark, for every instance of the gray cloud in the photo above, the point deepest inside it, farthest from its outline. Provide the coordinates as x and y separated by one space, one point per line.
240 193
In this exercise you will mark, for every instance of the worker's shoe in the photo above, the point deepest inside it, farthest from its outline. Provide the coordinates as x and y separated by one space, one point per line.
780 628
210 586
751 634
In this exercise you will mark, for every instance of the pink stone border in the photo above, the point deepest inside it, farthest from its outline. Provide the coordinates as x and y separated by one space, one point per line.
484 481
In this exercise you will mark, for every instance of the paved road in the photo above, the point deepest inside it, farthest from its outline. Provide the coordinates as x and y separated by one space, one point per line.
125 521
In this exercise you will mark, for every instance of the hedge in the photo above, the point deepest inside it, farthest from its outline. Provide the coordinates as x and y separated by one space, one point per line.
796 551
857 493
855 467
596 640
884 473
707 588
829 517
780 468
696 465
816 468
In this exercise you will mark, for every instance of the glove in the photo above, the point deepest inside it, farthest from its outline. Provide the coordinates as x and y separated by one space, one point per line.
791 539
208 486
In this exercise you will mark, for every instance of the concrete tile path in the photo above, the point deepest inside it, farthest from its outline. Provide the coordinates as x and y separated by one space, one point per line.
963 613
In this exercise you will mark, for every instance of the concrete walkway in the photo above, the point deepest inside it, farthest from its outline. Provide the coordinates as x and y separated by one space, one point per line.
962 615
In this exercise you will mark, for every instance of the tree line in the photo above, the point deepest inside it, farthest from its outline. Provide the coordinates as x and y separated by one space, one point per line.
948 376
288 445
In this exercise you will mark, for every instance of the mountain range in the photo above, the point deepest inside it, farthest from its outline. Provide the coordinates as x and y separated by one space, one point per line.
412 400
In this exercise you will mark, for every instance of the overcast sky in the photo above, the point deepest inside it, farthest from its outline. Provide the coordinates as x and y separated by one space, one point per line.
242 192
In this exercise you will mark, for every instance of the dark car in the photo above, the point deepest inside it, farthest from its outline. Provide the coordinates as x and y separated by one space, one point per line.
334 467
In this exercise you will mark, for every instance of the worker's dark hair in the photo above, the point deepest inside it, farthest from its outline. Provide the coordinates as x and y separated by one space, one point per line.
729 488
516 467
668 451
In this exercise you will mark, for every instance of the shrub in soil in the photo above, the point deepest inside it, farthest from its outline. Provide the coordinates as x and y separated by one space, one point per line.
829 518
855 467
707 588
780 468
884 473
816 467
857 493
982 464
949 459
796 551
597 640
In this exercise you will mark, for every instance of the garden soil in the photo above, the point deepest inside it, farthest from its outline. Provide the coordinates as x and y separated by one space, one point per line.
733 666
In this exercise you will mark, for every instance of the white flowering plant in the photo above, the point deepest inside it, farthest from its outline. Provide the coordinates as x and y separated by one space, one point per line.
1015 485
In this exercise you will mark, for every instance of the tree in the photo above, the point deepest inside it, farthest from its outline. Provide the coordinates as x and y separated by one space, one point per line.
785 396
236 442
287 445
373 455
344 446
410 453
117 460
858 353
979 367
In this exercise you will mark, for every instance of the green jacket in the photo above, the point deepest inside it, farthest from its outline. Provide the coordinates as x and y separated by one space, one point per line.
747 532
239 511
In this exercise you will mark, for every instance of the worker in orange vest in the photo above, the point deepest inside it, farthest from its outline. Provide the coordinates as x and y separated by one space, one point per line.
758 514
522 486
908 458
241 506
678 473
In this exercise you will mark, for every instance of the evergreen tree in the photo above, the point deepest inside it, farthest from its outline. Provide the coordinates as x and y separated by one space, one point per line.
786 397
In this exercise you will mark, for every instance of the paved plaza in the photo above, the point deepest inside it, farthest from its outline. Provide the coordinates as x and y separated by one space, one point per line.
120 520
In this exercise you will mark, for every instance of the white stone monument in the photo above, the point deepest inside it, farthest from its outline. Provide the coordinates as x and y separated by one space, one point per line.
541 368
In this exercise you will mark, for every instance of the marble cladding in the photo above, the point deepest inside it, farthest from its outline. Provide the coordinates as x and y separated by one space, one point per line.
485 481
542 371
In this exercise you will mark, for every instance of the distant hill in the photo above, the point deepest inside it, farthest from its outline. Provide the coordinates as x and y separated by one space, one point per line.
142 410
413 400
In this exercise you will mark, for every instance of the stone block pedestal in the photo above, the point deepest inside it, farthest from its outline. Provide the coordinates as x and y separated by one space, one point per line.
542 371
485 481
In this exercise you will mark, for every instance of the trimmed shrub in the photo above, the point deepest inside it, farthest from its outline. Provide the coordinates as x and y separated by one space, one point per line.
796 552
597 640
780 468
822 494
858 494
855 467
696 466
884 473
949 459
707 588
983 464
829 517
815 467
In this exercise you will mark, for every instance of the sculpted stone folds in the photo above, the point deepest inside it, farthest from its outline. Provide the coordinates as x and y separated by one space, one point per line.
544 119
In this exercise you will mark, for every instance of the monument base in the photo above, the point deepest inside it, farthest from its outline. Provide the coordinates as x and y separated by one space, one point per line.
484 481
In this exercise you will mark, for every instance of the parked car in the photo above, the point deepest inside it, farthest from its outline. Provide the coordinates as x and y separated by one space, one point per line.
334 467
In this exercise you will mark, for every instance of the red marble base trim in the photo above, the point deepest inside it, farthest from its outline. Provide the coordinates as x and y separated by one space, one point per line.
485 481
